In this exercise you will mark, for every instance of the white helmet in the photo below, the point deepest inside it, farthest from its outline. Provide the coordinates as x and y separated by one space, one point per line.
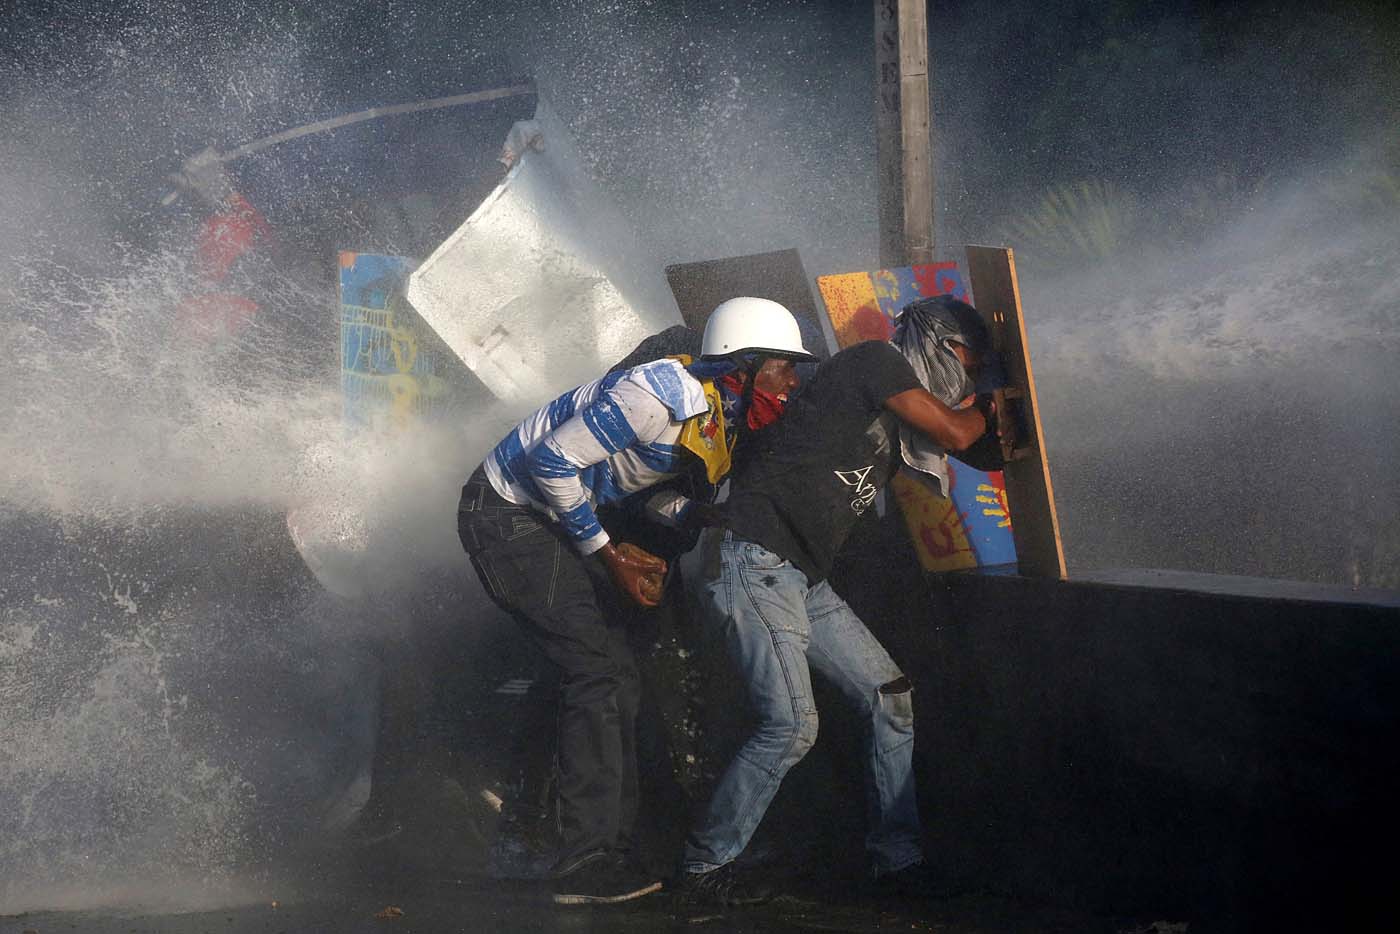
755 325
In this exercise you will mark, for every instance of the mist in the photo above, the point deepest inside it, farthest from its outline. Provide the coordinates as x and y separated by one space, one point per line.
1213 332
1239 423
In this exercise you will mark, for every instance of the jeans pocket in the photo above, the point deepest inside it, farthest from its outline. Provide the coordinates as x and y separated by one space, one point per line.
752 555
515 525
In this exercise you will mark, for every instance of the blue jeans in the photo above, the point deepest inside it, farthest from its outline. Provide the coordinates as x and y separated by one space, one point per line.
775 626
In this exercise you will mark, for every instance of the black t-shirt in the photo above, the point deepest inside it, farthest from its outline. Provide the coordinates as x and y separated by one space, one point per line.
818 469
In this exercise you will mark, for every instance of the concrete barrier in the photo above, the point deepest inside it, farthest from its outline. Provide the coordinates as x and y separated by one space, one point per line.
1218 747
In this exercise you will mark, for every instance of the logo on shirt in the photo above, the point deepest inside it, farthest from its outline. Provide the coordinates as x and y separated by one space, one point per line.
864 490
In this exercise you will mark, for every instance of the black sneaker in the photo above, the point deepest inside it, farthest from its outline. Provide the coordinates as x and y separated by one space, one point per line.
603 879
724 887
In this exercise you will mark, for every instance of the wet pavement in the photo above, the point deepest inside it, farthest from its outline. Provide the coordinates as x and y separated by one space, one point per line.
488 905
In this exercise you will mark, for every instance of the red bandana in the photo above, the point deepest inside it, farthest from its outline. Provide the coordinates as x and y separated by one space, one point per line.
764 407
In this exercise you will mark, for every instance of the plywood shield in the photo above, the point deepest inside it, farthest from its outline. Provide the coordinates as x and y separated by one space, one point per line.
971 526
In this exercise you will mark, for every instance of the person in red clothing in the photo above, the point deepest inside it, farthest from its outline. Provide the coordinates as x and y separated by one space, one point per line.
216 311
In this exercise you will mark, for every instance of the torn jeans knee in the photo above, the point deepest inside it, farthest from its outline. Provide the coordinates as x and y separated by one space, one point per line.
896 709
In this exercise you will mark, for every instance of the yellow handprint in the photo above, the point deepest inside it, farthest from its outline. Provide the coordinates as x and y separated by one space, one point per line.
995 498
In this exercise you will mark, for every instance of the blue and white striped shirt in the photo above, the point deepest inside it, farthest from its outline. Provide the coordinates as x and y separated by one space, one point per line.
598 444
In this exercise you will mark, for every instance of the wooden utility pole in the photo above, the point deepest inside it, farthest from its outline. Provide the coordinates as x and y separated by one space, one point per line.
916 130
889 149
903 132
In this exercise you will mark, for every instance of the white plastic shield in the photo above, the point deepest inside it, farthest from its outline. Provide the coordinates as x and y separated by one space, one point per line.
545 285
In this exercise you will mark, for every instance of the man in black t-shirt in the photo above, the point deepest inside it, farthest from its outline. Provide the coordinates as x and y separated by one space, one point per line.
870 410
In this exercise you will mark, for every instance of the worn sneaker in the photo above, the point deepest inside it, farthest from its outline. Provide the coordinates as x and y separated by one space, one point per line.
723 887
603 879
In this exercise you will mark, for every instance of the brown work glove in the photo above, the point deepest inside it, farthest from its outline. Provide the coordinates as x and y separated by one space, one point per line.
636 572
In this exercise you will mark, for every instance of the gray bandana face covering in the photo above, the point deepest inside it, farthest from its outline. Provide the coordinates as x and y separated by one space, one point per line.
922 332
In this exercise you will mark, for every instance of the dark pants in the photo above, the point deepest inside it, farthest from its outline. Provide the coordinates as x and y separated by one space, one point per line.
567 608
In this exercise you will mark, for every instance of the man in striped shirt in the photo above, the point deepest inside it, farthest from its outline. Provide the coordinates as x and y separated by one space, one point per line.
528 520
